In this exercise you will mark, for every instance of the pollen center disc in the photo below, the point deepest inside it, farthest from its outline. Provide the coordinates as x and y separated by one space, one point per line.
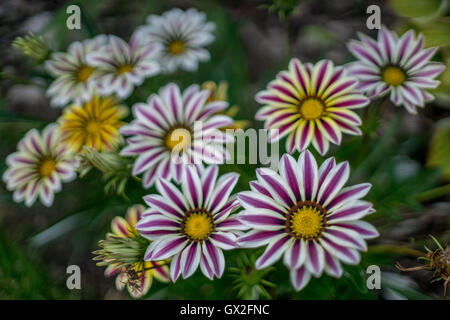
393 76
311 109
306 222
84 73
176 47
93 126
46 167
125 68
198 225
178 139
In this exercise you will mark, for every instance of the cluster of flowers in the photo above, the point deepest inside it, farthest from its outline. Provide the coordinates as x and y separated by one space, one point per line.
303 212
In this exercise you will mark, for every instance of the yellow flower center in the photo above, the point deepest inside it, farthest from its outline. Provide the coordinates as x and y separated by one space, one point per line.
125 68
393 76
198 226
93 126
46 167
178 139
83 73
176 47
311 109
306 222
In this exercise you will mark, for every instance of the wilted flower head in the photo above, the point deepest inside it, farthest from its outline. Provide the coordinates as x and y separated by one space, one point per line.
75 77
311 104
39 166
124 65
438 260
122 252
182 36
33 46
304 213
397 66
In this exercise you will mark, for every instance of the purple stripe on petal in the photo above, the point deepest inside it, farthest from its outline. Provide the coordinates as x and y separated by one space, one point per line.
212 251
277 187
259 188
332 264
291 177
345 237
361 230
295 253
170 245
259 236
335 182
262 220
257 203
313 255
190 257
271 251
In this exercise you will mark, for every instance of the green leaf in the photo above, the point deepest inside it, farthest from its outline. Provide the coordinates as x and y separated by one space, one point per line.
415 8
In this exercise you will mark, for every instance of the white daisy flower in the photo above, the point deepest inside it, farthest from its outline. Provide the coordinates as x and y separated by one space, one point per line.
397 66
174 129
182 34
75 77
124 65
39 166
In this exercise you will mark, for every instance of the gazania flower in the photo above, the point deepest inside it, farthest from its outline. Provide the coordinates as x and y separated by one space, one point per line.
192 225
174 129
311 104
39 166
75 77
124 65
95 124
305 214
182 35
397 66
134 273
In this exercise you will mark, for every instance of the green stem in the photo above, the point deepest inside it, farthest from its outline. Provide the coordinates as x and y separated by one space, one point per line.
433 193
387 248
14 78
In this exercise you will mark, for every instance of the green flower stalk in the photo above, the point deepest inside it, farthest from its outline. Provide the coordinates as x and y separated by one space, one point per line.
122 253
249 281
116 169
32 46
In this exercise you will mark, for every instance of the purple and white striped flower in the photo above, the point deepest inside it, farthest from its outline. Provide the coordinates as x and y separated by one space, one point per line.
304 213
75 77
182 35
39 166
174 129
397 66
124 65
311 104
192 225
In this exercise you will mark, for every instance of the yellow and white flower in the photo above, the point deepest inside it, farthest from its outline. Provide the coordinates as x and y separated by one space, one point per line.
311 104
